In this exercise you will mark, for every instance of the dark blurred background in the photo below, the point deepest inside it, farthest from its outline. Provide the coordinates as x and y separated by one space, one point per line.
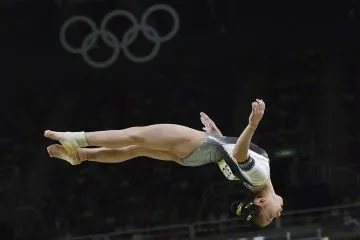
301 57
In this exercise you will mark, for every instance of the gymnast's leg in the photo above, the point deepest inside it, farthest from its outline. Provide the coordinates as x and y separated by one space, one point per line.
177 139
107 155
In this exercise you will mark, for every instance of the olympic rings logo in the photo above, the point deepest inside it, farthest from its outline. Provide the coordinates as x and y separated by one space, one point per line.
128 38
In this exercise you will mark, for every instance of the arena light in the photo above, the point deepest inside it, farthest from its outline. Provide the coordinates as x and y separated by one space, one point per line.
289 152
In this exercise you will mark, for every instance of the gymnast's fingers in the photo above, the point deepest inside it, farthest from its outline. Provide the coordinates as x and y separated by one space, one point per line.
255 106
262 106
202 120
206 117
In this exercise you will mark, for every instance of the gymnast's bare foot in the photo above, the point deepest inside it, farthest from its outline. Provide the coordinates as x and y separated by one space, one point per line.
69 140
58 151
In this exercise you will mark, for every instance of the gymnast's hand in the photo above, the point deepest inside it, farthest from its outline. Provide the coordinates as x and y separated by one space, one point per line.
209 125
257 113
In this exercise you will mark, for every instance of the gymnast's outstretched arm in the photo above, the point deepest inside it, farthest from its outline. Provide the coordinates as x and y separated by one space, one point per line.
241 150
209 125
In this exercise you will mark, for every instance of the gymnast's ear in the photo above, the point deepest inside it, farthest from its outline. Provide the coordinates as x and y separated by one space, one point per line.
260 201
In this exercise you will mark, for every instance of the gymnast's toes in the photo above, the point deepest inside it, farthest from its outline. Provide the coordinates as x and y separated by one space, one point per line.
55 150
58 151
53 135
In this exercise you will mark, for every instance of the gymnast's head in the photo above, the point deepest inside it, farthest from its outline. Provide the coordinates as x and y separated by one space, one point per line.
259 209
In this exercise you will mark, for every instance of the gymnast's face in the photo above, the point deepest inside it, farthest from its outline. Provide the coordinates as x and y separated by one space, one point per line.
270 208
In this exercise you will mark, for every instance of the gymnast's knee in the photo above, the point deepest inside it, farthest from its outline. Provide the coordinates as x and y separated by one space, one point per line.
135 134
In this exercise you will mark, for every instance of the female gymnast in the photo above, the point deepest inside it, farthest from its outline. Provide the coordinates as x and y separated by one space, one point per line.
238 158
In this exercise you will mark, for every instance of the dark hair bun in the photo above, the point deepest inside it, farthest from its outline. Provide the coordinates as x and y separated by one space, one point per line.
246 210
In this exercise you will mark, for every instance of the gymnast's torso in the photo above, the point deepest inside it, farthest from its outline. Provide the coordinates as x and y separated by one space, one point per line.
219 149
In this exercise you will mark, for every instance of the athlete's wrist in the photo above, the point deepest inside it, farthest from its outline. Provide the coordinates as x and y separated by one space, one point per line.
252 126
